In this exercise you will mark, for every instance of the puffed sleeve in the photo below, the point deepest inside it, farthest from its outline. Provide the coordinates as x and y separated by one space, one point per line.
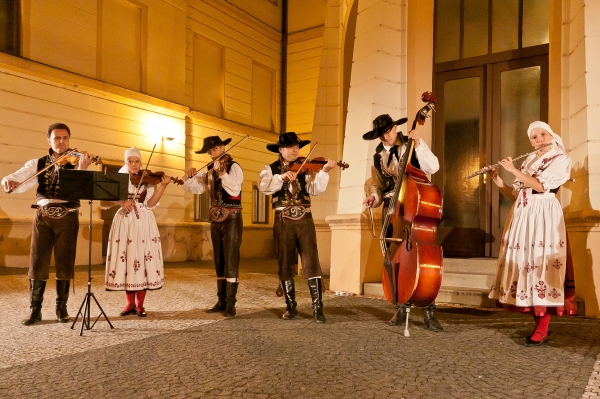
557 173
196 184
29 169
427 160
316 183
149 194
268 183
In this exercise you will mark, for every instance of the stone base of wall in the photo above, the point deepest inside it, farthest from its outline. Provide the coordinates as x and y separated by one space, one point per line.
355 256
15 242
180 242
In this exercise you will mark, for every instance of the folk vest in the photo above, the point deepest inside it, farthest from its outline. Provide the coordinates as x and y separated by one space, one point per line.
388 180
48 181
291 193
218 195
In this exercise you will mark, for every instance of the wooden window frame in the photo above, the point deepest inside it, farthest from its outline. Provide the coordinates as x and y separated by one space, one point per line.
15 46
201 201
256 204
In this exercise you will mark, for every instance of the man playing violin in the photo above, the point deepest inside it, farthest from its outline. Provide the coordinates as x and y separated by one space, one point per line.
384 172
55 223
293 227
224 183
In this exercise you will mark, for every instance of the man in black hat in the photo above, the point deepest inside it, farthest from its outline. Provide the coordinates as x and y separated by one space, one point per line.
223 180
383 173
293 227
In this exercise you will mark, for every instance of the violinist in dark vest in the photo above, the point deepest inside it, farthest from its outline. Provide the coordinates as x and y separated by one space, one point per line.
223 180
383 176
293 227
55 223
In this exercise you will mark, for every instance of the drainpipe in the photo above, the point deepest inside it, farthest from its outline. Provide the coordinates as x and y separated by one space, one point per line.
284 39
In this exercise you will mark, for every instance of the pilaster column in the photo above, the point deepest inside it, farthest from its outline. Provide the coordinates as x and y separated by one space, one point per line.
378 86
581 135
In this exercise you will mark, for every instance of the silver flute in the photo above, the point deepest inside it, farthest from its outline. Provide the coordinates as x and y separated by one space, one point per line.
488 168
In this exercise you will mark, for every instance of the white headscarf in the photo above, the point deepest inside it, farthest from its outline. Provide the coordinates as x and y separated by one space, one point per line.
131 152
558 144
532 162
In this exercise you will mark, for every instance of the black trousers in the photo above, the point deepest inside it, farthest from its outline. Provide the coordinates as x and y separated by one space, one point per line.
226 240
292 235
58 234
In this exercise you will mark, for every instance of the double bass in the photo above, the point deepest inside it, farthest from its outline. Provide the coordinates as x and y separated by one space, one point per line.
413 262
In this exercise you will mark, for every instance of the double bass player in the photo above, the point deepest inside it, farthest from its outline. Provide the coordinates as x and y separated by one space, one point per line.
384 174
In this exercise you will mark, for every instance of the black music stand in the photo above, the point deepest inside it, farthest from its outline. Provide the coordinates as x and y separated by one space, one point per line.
84 184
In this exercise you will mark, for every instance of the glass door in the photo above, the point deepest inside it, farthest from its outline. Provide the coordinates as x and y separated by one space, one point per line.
459 142
482 117
520 89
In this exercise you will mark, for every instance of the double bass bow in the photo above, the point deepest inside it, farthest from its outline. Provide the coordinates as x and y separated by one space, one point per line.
413 262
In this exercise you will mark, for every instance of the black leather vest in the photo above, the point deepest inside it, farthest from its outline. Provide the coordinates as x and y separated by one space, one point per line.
388 180
218 195
48 182
284 197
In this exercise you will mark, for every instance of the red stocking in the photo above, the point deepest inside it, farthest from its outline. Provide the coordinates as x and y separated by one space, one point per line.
141 295
541 329
130 299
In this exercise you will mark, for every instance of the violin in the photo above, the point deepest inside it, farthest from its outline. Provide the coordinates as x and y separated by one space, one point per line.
69 157
314 165
73 156
222 163
152 178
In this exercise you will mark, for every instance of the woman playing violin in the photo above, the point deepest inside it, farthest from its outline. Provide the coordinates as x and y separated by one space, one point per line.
534 273
293 227
55 223
134 262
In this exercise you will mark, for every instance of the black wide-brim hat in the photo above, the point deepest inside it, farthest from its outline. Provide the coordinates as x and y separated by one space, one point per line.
287 140
211 142
382 124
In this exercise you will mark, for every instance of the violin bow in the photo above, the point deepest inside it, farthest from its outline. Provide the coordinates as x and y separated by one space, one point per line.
219 157
306 159
137 188
372 221
60 158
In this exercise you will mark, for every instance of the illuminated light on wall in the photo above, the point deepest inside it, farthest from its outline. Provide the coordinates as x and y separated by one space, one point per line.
160 127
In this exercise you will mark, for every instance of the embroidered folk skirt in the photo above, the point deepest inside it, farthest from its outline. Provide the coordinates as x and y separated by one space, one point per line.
134 260
532 264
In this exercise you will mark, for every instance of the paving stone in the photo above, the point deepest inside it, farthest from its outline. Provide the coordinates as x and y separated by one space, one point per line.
179 351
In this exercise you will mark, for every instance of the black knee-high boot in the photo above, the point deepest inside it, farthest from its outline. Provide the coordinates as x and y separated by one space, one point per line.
315 287
431 322
36 289
230 298
400 316
62 296
289 291
221 292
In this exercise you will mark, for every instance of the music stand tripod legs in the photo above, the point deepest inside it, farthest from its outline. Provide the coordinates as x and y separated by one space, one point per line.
90 185
85 305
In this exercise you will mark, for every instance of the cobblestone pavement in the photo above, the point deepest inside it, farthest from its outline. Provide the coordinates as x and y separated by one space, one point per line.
179 351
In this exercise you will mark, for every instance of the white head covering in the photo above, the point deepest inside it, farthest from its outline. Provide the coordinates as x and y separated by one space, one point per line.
558 144
131 152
